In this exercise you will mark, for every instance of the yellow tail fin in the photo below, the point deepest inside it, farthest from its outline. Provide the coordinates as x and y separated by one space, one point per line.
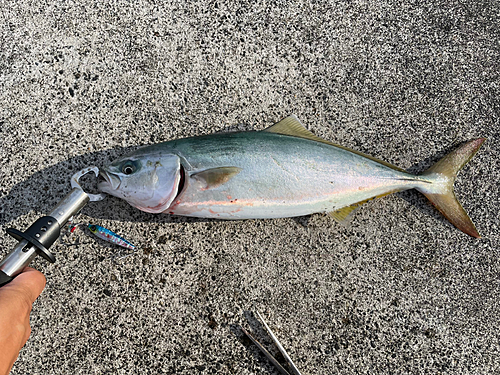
441 193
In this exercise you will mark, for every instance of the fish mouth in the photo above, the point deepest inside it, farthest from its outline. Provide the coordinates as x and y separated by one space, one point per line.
107 182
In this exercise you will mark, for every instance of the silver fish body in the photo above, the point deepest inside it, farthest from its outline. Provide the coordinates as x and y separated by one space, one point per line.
279 176
282 172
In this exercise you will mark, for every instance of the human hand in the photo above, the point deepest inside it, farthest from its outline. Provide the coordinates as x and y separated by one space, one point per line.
16 299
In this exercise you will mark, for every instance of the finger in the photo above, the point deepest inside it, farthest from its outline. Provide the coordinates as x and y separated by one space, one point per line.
32 281
27 332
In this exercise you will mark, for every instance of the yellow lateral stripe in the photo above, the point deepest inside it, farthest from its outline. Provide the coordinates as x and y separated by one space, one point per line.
292 126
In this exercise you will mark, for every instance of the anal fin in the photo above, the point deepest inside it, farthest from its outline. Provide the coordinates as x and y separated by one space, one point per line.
341 214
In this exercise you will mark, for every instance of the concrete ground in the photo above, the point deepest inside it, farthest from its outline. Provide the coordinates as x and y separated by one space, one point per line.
396 290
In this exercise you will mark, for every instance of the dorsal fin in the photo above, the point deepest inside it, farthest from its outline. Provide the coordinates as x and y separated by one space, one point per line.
292 126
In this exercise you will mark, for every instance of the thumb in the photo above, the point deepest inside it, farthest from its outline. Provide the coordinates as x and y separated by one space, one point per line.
31 282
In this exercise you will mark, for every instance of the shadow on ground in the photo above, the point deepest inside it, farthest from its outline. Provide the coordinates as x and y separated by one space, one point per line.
42 190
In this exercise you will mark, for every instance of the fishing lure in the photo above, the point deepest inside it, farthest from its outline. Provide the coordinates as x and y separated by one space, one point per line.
107 235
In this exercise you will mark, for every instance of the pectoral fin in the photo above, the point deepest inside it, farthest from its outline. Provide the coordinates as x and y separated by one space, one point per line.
215 177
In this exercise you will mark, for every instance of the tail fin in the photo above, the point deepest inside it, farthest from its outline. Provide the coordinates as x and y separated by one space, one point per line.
441 193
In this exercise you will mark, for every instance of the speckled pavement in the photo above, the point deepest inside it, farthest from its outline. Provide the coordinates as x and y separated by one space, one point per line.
395 290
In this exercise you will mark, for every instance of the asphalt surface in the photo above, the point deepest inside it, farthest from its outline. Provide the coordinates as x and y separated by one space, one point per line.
395 290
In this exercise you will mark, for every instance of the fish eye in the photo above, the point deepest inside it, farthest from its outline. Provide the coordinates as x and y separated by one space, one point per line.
128 168
93 228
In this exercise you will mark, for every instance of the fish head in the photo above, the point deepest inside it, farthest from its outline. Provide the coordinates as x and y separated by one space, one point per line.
149 182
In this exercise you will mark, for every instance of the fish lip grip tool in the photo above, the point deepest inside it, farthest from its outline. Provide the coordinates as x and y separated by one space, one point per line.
38 238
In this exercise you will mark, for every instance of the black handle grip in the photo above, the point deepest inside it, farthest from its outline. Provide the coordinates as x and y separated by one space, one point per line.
4 278
42 234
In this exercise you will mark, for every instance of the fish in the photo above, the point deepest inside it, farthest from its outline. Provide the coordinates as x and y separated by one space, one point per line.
107 235
282 171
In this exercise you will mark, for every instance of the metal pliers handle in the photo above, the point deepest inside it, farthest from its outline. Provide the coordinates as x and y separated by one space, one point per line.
38 238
